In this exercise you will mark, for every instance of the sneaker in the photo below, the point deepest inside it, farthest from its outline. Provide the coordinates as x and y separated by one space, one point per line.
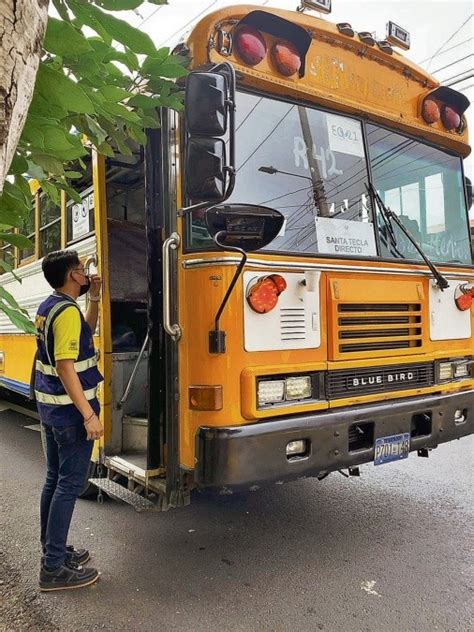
77 556
67 576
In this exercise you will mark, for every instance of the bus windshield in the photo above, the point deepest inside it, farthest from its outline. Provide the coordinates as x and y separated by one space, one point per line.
313 167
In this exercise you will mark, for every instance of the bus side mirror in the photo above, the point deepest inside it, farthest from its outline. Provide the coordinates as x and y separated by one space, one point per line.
209 116
205 176
243 227
205 110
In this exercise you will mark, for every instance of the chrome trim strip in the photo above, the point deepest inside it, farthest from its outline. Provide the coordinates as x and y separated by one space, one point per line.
322 267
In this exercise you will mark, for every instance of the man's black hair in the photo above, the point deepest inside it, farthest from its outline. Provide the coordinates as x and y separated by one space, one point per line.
57 264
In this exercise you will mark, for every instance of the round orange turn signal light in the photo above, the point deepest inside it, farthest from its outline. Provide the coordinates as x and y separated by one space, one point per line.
263 294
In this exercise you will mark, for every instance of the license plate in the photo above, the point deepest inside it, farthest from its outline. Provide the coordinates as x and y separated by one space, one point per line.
392 448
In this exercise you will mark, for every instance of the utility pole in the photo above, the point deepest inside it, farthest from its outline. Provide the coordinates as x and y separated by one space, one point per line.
319 194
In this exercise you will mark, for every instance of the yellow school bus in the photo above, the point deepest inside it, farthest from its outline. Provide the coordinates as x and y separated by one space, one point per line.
287 265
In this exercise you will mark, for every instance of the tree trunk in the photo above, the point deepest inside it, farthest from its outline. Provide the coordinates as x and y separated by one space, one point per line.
22 27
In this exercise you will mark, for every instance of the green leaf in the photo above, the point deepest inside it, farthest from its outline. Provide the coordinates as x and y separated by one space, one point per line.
121 31
18 165
55 86
8 298
9 188
5 266
106 149
51 191
70 154
9 218
144 101
63 39
73 175
84 16
132 60
49 164
22 184
137 134
12 204
164 65
44 107
113 93
55 138
18 319
119 110
151 121
61 9
35 171
96 129
158 57
19 241
118 5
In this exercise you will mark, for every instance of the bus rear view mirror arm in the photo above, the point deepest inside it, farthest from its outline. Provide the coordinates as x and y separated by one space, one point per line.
240 228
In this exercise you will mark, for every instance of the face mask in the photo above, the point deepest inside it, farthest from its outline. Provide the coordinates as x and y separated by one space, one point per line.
85 287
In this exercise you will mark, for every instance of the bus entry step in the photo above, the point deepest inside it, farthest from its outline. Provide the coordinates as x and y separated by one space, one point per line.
119 492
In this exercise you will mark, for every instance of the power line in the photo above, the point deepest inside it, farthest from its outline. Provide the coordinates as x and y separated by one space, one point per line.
452 63
151 15
182 27
469 39
266 138
449 39
454 80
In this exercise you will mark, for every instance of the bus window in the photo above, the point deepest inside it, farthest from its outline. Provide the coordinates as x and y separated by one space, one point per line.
29 231
424 186
126 188
50 226
80 217
317 183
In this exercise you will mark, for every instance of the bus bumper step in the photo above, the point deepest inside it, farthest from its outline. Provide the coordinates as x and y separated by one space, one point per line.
119 492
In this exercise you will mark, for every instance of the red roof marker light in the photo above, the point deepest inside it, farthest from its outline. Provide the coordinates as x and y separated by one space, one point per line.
250 45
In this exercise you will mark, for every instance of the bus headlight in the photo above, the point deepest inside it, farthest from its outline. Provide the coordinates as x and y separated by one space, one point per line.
461 370
454 369
290 389
298 387
445 371
270 392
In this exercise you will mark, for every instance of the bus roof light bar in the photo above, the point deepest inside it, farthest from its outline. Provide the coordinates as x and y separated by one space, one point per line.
324 6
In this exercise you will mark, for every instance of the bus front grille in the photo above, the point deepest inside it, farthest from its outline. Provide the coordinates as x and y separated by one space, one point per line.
366 327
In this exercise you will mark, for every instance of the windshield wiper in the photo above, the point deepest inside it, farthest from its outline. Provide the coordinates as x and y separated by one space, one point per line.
389 216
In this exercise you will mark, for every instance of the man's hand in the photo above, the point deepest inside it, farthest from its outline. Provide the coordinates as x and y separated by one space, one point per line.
96 283
93 428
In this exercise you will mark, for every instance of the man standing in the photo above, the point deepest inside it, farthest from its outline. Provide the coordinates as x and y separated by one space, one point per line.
66 379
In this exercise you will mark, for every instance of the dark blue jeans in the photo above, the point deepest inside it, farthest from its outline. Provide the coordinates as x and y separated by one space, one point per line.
68 454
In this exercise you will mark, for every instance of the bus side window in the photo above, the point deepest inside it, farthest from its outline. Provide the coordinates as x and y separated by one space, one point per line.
50 226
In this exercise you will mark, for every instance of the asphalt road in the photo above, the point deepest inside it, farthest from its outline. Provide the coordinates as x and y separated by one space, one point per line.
389 551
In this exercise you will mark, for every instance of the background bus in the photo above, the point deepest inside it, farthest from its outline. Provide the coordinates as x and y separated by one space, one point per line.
340 347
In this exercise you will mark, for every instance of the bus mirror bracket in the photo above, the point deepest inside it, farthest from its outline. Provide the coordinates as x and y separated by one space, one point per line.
209 114
240 228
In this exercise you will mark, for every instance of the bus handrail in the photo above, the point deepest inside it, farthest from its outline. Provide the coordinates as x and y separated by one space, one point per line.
172 329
